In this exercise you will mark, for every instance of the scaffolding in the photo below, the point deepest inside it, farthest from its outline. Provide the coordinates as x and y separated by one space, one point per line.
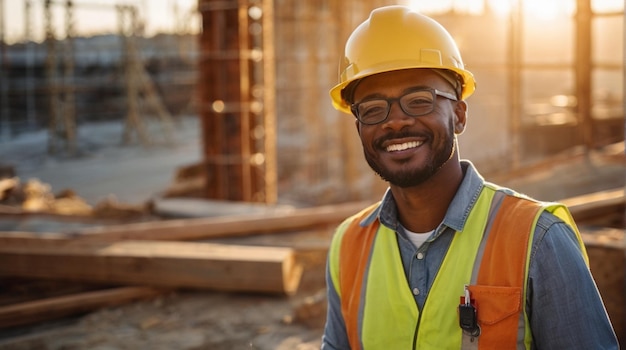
62 122
140 90
60 85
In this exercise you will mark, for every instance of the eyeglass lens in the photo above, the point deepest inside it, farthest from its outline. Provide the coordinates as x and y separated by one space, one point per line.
414 103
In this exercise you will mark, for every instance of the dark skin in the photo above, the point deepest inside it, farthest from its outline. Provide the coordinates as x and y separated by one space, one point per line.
428 147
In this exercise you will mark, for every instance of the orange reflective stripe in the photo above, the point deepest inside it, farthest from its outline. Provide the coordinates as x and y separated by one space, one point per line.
354 254
502 275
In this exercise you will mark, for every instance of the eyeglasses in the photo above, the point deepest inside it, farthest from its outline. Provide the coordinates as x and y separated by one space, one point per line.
413 103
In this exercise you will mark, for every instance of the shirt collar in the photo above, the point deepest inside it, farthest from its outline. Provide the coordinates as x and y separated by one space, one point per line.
457 212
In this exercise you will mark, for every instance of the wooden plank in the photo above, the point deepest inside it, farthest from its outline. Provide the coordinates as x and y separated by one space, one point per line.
69 305
595 199
35 239
598 206
228 226
158 264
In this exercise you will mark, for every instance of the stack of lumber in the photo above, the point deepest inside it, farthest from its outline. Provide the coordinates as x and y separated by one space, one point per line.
156 257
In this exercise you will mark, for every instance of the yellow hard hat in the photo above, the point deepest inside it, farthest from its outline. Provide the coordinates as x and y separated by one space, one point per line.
394 38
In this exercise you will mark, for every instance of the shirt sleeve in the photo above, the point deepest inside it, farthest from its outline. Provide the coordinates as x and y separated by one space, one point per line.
335 335
563 303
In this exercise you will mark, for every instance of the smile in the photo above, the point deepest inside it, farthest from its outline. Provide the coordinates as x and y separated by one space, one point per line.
403 146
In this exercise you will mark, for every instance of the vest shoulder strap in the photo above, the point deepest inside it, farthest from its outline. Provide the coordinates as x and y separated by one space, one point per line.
354 253
501 281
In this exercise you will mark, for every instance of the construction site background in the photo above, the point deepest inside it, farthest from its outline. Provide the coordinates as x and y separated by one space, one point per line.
238 108
527 104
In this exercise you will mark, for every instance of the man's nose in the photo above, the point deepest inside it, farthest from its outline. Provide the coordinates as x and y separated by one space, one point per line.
397 118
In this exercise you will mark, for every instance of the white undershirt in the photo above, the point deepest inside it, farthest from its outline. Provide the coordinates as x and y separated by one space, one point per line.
417 238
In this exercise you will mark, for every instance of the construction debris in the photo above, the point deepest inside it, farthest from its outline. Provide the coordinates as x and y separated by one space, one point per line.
36 197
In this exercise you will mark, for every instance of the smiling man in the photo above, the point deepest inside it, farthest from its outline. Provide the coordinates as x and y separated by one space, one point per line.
446 260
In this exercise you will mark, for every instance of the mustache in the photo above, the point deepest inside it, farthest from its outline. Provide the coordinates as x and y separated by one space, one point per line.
398 135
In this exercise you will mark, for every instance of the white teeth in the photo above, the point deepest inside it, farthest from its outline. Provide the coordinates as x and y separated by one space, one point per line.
402 146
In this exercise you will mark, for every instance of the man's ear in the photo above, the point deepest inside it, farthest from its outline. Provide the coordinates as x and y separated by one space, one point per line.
460 119
357 125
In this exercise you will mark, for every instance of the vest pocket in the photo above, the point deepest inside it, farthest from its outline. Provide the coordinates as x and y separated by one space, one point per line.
495 304
498 310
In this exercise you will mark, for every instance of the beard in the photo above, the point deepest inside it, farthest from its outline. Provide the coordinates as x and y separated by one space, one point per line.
413 176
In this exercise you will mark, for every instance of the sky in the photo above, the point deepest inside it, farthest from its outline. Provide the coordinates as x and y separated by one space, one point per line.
169 15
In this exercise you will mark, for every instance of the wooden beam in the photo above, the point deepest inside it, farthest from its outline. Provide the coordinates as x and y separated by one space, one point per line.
227 226
157 264
69 305
597 207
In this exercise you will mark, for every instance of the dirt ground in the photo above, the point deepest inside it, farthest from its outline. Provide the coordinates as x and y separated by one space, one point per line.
201 319
182 320
194 320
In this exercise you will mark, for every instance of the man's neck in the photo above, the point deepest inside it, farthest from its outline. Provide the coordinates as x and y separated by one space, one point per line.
422 208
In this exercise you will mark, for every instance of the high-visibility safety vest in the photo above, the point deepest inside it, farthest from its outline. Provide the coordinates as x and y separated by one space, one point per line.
491 255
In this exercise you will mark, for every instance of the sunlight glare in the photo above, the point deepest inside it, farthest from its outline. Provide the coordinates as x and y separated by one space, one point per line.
501 8
431 6
607 5
537 9
472 7
548 10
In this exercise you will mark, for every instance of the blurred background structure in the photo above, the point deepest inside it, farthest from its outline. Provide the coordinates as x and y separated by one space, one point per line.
256 74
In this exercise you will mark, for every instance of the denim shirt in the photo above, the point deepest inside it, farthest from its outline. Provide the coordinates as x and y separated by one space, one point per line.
563 304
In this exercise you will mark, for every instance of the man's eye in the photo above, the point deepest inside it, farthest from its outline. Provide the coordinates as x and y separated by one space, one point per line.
372 110
418 102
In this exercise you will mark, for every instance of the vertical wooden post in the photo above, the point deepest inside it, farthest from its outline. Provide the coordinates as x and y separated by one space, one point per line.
69 99
269 104
5 118
30 62
516 30
583 70
51 77
127 24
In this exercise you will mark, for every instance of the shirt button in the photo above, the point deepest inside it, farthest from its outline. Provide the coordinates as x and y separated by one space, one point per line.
416 291
420 256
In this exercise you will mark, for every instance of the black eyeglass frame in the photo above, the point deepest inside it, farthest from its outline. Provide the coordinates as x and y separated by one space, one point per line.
355 106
